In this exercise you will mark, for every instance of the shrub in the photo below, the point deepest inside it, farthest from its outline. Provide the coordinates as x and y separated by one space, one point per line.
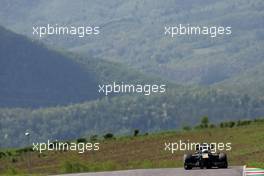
136 132
108 136
211 126
204 122
231 124
259 120
2 154
186 128
243 122
9 153
81 140
13 160
94 138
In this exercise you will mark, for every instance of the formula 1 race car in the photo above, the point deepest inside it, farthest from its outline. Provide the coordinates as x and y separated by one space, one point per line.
204 158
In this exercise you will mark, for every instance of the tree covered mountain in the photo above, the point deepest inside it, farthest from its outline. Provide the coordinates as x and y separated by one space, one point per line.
34 76
31 75
133 33
250 82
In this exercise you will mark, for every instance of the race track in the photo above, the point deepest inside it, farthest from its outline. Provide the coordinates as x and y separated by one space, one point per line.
232 171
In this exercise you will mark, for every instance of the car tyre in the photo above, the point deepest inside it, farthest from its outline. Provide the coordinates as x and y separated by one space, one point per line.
187 167
208 167
187 159
223 158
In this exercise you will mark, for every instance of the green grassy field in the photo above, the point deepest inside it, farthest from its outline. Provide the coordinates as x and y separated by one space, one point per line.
143 151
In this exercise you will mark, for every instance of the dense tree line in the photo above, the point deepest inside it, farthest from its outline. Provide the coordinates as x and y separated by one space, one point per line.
123 114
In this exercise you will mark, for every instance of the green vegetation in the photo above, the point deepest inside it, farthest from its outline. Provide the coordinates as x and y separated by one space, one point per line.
80 166
119 115
81 140
63 85
250 81
137 29
136 132
256 164
124 114
34 76
108 136
130 152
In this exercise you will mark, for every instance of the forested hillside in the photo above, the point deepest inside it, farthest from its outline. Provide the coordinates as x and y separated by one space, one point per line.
132 32
250 82
123 114
32 75
49 86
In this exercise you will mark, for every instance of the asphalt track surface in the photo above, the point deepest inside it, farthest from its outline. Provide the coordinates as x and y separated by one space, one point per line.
231 171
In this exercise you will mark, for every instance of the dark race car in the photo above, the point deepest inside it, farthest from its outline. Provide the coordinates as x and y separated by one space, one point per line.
204 158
